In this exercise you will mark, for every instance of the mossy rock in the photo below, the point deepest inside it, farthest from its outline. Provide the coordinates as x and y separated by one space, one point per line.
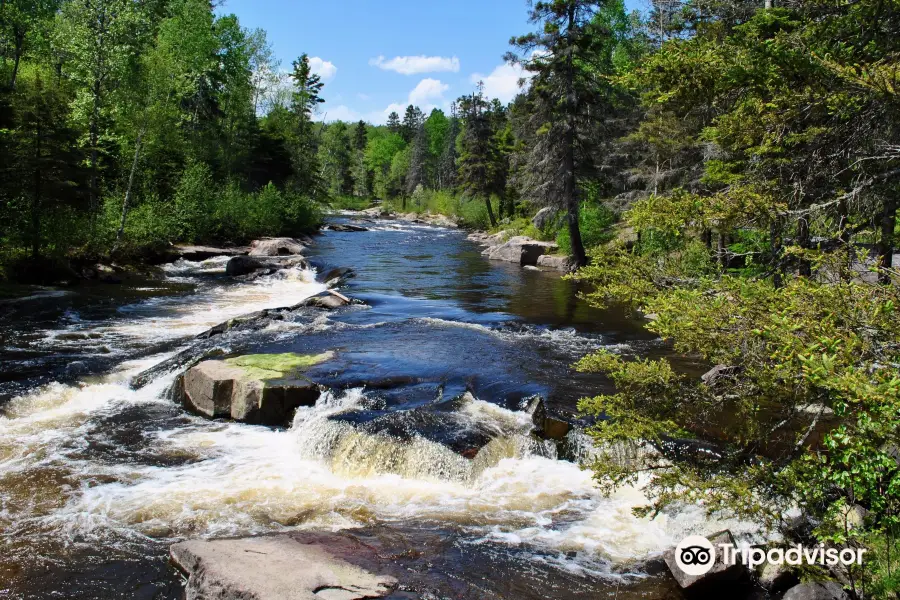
277 366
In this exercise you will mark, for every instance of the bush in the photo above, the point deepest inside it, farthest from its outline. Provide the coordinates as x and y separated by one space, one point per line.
350 203
594 222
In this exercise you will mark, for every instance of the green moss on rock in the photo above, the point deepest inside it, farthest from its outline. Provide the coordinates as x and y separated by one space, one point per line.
276 366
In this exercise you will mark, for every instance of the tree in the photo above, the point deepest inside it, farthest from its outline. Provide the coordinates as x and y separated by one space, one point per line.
447 173
418 174
304 101
478 153
436 126
336 159
393 122
412 120
359 169
567 102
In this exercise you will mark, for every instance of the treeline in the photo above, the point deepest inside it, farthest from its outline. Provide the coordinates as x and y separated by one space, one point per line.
125 125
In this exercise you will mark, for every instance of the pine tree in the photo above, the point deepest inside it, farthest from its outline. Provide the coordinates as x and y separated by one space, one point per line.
478 151
393 122
304 100
359 170
567 103
412 120
418 162
447 168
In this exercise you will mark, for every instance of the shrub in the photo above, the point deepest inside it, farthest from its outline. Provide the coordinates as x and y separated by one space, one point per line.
594 222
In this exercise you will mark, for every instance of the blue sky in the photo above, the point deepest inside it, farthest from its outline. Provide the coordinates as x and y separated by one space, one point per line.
378 56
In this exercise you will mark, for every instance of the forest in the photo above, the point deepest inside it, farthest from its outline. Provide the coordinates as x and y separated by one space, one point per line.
729 169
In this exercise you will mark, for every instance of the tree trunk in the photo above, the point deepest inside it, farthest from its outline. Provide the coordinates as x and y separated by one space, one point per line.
721 250
886 240
127 201
844 236
805 268
775 258
490 211
579 258
19 37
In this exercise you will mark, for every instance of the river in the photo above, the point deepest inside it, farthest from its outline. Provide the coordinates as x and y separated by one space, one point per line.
98 479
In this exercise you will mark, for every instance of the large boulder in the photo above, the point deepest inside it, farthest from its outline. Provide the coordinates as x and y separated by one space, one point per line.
719 574
299 566
555 261
521 250
262 389
200 253
543 218
242 265
545 425
276 247
828 590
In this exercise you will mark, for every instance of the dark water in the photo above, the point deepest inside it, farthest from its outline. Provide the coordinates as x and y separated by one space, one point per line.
96 479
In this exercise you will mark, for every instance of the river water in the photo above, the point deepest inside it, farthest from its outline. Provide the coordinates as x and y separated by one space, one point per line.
98 479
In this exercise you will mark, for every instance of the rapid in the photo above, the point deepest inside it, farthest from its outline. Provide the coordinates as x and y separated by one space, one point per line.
97 478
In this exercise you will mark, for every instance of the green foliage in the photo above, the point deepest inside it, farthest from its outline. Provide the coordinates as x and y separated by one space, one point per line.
595 223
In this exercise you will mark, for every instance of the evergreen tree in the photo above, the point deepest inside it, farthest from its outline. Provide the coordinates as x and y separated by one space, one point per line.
417 174
393 122
568 102
447 168
359 170
478 157
413 118
336 159
304 101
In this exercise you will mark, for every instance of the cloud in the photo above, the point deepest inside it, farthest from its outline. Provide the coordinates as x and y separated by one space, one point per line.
428 90
323 68
503 81
413 65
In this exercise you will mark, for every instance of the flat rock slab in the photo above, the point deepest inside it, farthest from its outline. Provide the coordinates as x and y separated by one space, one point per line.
198 253
521 250
281 567
276 247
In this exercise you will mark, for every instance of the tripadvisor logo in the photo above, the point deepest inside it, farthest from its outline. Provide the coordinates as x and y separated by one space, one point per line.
695 555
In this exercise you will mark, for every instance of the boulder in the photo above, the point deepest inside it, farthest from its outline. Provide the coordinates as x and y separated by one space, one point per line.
209 386
262 389
545 425
346 227
555 261
718 374
543 218
200 253
338 276
328 300
720 573
828 590
276 247
776 578
521 250
299 566
242 265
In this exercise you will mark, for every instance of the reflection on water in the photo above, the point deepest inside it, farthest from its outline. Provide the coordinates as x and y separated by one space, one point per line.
96 479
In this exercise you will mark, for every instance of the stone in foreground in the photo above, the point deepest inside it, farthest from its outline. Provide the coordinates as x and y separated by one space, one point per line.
555 261
720 574
262 389
283 567
816 591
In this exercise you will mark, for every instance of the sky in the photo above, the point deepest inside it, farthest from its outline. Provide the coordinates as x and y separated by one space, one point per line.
375 56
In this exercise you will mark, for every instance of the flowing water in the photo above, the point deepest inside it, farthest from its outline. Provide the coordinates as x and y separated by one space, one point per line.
97 479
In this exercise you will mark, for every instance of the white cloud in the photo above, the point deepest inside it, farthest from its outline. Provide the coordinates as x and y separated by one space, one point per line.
338 113
428 90
323 68
413 65
503 81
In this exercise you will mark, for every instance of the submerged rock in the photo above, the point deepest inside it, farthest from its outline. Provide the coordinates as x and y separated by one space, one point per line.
276 247
346 227
328 299
338 276
262 389
300 566
520 250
